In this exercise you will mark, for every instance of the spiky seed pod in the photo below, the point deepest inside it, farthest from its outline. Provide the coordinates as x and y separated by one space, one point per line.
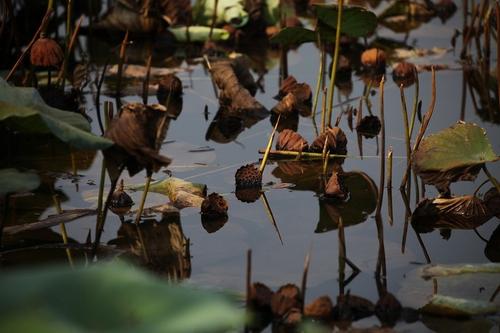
120 202
214 205
248 195
248 176
286 298
321 308
212 223
373 59
404 73
351 307
291 141
369 126
388 309
45 52
336 141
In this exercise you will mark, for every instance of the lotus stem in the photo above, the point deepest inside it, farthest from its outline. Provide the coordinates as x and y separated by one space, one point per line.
145 86
271 215
389 186
123 49
268 147
61 76
143 200
249 277
415 104
64 234
404 111
214 19
323 110
319 78
303 155
382 151
335 62
305 273
492 179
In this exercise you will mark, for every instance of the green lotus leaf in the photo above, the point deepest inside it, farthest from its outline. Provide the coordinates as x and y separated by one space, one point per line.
24 110
13 181
455 153
109 298
294 36
356 21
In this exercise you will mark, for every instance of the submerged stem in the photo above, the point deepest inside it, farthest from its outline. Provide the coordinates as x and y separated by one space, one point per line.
268 148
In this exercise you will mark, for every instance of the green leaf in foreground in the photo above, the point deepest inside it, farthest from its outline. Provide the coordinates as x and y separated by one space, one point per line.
24 110
356 21
13 181
110 298
456 153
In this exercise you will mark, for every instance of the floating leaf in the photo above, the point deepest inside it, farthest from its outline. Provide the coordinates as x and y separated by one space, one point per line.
356 21
24 110
447 270
464 212
82 299
458 307
13 181
456 153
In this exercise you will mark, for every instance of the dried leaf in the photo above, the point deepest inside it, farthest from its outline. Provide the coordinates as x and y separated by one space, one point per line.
291 141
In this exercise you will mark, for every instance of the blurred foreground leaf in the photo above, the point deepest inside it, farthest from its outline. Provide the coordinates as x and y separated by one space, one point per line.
13 181
24 110
111 298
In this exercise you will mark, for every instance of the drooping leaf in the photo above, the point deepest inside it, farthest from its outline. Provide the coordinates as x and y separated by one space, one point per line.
463 212
356 21
108 298
13 181
447 306
456 153
294 36
24 110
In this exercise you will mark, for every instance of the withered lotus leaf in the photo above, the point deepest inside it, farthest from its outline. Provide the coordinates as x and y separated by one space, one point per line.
232 93
369 126
286 298
463 212
291 141
388 309
351 307
492 201
453 154
336 141
294 97
335 187
136 132
321 308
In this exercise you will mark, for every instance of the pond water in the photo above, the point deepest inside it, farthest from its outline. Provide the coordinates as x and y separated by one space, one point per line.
218 259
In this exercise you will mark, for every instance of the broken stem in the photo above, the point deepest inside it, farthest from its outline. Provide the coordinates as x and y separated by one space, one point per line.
319 79
389 186
64 234
268 147
382 151
304 279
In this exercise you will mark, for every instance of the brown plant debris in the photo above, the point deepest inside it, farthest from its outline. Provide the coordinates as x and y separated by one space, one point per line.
321 308
212 223
373 59
286 298
492 201
369 126
291 141
171 85
248 176
214 205
388 309
260 297
232 78
136 133
404 73
336 142
351 307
